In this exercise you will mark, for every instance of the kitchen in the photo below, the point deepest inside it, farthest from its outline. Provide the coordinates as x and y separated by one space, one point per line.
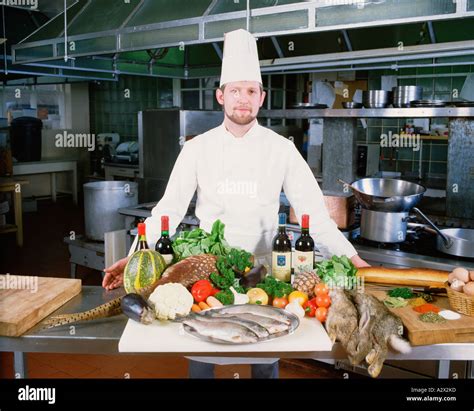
98 103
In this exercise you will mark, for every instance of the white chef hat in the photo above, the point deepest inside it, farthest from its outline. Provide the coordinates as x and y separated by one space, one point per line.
240 60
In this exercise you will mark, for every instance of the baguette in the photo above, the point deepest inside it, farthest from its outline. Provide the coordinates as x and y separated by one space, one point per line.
423 277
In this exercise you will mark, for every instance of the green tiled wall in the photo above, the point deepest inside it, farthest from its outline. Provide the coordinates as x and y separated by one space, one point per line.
111 111
439 84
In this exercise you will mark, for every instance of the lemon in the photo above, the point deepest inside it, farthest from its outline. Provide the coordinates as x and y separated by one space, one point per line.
299 296
257 296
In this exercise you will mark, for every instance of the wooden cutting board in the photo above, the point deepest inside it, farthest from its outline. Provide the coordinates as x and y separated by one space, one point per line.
420 333
25 301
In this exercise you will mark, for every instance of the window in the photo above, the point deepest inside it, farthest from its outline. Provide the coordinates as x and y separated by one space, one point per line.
44 102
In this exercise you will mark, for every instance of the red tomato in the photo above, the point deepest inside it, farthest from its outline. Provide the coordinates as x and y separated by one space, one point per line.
214 291
201 290
321 289
280 302
321 314
323 301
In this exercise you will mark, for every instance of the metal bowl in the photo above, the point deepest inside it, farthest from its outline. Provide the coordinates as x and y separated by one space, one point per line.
385 194
376 98
351 104
403 95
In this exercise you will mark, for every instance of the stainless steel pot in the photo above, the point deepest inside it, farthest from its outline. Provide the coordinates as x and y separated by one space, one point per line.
383 227
102 199
403 95
386 194
453 241
376 98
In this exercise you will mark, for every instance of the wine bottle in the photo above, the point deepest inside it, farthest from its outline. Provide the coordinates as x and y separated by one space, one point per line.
303 257
281 252
142 243
164 245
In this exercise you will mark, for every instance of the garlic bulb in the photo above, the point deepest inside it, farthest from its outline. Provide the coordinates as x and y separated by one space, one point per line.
239 298
296 309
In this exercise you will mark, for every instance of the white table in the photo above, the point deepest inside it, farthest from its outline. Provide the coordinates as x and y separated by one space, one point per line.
49 167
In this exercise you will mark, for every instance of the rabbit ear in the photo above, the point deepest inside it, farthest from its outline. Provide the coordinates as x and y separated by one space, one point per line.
364 321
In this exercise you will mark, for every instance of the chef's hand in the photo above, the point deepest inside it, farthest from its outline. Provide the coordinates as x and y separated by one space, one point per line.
114 274
359 262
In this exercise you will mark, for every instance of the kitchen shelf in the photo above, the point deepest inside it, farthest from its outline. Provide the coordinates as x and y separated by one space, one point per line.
418 112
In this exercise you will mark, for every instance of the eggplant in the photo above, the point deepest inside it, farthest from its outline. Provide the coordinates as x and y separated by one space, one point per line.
136 308
253 277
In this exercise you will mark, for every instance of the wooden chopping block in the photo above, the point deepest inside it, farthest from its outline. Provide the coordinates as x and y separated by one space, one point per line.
26 300
421 333
341 208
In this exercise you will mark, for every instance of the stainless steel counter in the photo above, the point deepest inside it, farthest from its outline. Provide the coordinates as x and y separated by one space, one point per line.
423 112
102 337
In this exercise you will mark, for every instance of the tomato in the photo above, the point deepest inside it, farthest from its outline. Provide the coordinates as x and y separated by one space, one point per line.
299 296
201 290
321 289
280 302
321 314
214 291
323 301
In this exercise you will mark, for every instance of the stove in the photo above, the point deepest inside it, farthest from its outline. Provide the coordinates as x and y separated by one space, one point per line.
418 250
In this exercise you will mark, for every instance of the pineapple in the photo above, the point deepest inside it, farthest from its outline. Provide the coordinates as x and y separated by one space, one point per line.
306 281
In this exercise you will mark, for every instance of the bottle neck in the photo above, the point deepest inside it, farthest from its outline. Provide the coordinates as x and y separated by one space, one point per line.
305 231
282 229
165 233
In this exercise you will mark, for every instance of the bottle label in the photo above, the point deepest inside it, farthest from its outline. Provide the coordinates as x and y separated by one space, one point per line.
281 266
303 261
168 258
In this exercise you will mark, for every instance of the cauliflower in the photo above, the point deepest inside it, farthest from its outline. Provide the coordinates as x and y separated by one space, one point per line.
170 300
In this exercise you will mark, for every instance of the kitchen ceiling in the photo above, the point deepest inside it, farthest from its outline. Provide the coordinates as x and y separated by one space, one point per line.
179 38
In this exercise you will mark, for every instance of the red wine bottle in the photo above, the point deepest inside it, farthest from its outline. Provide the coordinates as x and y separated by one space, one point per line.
303 257
281 252
142 243
164 245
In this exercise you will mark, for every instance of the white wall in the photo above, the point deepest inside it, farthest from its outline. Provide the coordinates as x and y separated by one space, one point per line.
75 111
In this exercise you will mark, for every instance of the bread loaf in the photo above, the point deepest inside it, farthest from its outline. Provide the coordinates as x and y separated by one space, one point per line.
423 277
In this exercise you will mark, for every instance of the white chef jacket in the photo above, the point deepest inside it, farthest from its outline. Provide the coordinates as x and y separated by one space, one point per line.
239 181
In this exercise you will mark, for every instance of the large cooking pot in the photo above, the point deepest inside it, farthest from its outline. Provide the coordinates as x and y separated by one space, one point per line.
386 194
453 241
102 199
383 227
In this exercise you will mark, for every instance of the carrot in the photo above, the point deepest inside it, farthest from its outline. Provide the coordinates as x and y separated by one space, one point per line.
426 308
203 306
195 308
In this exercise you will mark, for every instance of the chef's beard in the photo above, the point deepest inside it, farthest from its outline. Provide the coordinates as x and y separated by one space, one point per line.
242 120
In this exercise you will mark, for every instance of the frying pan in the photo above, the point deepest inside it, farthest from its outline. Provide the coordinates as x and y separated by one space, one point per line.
453 241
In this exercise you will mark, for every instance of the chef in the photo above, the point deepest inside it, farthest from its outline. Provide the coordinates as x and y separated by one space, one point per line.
239 169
